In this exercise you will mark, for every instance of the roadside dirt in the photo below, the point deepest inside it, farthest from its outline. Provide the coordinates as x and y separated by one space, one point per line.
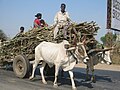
102 67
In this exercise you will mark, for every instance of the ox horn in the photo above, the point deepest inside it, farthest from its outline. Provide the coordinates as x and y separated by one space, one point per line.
71 48
99 50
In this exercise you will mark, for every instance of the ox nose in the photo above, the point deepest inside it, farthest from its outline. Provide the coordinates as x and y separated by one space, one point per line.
86 60
109 63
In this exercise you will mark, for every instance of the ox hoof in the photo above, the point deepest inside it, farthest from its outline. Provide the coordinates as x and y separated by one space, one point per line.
93 80
55 86
30 78
74 88
44 82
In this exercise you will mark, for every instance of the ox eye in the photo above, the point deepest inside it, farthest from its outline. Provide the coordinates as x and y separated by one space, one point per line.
80 49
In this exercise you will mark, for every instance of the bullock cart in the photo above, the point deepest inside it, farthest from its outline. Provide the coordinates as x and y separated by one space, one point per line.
19 51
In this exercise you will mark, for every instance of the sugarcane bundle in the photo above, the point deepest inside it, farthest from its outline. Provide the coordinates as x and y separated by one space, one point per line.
26 43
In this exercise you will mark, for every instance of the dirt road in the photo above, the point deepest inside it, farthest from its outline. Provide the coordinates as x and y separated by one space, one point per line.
107 78
102 67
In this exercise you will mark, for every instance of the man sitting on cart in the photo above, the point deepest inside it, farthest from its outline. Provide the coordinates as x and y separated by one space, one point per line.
61 20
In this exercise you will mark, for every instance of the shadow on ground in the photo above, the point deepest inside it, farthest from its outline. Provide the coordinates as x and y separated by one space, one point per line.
79 77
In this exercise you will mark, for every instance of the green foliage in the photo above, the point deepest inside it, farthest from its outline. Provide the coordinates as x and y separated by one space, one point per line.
109 39
3 36
103 39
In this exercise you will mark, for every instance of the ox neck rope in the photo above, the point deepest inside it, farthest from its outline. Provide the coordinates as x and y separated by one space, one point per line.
74 57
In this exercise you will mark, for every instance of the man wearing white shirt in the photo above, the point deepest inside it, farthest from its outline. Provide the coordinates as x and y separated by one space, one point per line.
61 20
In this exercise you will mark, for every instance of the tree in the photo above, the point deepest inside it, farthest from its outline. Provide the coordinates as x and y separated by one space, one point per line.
3 36
109 39
103 39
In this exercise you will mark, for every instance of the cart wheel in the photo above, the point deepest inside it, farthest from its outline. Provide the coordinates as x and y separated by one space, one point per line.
21 66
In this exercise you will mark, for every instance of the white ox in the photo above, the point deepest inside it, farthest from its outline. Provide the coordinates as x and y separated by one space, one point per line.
95 58
56 54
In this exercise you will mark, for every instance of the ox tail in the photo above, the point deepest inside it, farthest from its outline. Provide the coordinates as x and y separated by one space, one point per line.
32 62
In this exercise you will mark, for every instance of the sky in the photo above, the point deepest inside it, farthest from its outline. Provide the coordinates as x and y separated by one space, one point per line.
16 13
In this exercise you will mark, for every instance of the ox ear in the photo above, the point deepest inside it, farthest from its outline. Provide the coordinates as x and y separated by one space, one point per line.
65 42
66 46
71 48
